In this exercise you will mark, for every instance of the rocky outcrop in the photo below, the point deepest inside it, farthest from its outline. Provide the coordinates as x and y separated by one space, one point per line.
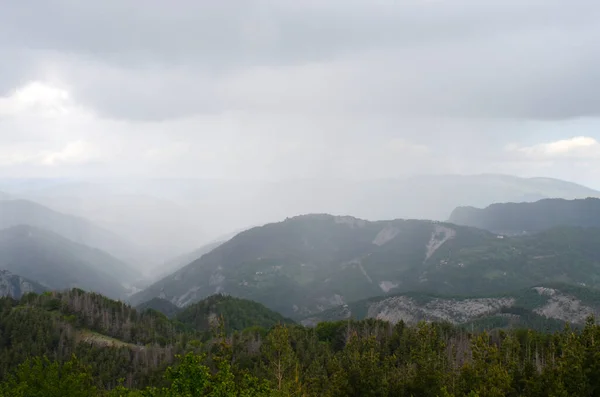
567 304
457 311
15 286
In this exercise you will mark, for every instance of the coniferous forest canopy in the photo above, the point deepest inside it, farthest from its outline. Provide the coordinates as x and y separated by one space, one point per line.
80 344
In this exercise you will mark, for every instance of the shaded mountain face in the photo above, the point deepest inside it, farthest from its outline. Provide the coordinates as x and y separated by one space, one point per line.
518 218
160 305
58 263
551 305
79 230
236 314
15 286
308 264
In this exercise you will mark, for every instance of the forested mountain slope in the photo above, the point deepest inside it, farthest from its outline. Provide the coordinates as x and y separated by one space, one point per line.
310 263
114 338
80 344
237 314
517 218
58 263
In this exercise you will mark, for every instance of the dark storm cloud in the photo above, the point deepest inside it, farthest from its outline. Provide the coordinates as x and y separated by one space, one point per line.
159 60
232 32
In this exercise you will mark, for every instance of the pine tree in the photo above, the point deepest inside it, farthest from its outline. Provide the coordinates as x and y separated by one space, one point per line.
281 364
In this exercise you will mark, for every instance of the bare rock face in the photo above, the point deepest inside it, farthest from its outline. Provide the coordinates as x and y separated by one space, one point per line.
15 286
404 308
564 307
350 221
566 303
439 237
386 235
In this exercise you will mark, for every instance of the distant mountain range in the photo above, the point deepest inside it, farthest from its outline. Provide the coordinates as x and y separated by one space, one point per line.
15 286
517 218
436 196
78 230
58 263
310 263
168 217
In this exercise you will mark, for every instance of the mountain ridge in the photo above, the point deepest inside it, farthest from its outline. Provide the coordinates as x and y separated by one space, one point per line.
16 212
231 205
515 218
57 262
309 263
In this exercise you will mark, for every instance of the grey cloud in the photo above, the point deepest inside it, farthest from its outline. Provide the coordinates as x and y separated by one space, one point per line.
534 59
16 68
251 30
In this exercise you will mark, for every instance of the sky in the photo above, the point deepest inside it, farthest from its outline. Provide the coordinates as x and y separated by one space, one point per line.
283 89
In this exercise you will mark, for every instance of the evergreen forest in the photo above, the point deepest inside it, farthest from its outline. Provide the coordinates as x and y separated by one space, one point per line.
80 344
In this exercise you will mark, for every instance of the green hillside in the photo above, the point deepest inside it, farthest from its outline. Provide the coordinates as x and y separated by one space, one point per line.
236 314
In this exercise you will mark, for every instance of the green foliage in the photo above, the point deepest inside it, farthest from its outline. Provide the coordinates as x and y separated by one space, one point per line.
39 377
280 362
41 355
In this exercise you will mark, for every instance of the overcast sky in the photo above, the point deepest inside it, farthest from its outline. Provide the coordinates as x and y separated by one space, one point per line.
313 88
